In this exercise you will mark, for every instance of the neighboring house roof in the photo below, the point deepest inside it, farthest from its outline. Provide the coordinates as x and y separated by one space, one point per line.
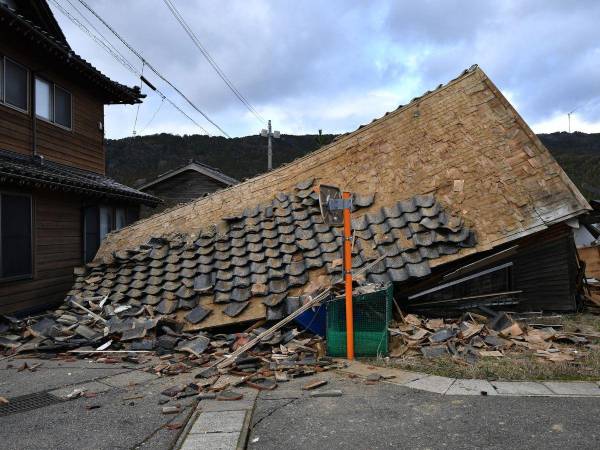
21 169
113 92
211 172
40 13
460 158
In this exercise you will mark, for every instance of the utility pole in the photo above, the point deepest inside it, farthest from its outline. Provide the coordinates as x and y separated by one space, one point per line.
270 134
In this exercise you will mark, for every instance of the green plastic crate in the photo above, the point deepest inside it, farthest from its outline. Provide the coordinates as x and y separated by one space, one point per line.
372 315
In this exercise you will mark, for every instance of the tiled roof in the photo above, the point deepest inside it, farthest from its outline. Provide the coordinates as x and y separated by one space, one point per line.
22 169
198 167
267 251
116 92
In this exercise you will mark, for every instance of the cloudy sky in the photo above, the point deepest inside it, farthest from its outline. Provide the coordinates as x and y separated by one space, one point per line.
334 65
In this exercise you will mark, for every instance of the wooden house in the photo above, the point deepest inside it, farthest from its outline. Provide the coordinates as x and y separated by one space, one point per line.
184 184
56 204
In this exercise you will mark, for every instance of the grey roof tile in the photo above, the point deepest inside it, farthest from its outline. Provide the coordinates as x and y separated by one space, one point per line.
424 201
240 294
197 315
328 247
304 224
253 257
432 211
222 246
295 268
239 251
301 233
288 248
285 229
223 286
272 252
150 300
207 268
281 221
269 234
278 286
412 257
241 282
281 197
241 271
235 309
325 237
258 267
171 286
274 300
166 307
300 215
321 228
271 243
307 244
424 239
187 303
395 262
287 238
275 274
224 275
412 216
259 289
274 263
221 297
221 256
315 253
408 206
429 252
429 223
302 185
314 263
172 268
203 282
254 247
189 264
275 313
447 249
397 275
269 225
378 278
259 278
418 270
329 257
298 280
363 201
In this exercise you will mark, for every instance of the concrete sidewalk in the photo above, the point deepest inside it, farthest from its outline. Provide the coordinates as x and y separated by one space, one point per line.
454 386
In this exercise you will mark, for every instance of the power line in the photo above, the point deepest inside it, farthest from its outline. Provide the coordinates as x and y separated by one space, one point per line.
151 67
123 61
211 61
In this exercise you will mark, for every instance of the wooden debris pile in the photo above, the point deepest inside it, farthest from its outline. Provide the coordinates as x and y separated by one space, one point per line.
475 336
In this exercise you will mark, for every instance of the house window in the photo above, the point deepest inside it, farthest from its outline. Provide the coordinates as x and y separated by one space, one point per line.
52 103
43 99
15 236
14 79
101 220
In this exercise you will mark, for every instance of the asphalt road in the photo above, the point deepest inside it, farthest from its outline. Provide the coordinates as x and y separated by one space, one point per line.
126 415
383 416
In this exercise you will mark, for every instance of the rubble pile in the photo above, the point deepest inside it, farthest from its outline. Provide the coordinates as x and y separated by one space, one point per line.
474 336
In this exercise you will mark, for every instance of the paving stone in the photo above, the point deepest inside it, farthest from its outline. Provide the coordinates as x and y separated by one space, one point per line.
129 378
92 386
432 383
573 388
525 388
471 387
219 422
212 441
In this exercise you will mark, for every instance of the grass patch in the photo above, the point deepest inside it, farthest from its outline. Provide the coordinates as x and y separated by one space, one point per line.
518 364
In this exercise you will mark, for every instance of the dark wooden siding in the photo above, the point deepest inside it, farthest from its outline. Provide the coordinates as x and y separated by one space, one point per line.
82 146
544 267
57 249
181 188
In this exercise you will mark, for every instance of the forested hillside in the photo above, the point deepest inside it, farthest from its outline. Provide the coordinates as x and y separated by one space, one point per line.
138 159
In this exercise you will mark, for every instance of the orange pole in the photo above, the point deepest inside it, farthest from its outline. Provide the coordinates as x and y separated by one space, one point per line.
348 280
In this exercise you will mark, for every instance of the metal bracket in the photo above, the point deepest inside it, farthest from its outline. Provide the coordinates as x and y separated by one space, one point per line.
335 204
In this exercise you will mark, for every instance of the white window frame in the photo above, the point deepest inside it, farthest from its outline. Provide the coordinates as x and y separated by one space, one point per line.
3 93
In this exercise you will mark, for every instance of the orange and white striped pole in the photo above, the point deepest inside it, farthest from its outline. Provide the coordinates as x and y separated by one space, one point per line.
348 279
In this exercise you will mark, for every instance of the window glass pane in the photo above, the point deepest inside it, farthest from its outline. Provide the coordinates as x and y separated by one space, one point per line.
62 107
15 85
15 233
106 220
43 99
92 232
120 218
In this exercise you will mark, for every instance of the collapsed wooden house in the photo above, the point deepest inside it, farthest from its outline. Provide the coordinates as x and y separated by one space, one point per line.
466 204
